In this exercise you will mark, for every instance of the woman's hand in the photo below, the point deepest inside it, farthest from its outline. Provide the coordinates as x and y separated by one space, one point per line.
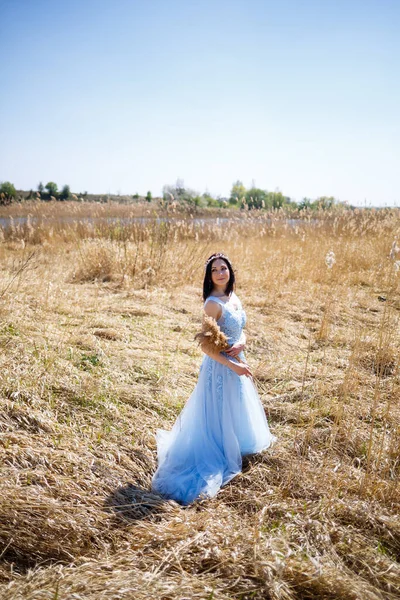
235 349
241 369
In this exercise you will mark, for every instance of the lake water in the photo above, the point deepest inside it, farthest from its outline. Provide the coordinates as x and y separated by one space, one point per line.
6 222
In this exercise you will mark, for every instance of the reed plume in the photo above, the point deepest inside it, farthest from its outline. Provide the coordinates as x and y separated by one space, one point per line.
211 338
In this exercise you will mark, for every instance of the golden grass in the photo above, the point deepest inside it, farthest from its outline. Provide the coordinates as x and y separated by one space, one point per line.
96 335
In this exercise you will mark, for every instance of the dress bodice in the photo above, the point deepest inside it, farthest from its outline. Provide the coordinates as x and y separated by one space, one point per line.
233 317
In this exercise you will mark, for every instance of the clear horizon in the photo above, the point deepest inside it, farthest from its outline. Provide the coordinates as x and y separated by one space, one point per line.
128 96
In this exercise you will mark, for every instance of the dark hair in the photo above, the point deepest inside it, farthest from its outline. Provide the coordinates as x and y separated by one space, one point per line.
208 284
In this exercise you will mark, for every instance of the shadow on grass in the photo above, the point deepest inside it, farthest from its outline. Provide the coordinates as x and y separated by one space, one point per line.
133 503
249 460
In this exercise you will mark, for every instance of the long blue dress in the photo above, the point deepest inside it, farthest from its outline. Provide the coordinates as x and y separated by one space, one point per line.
222 421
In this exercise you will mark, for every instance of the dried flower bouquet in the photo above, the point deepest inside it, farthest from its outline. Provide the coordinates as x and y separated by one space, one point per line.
211 338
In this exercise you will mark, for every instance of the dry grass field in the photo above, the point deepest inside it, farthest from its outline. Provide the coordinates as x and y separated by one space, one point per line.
98 311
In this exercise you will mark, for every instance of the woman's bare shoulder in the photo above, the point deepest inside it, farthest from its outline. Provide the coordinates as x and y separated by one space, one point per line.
213 309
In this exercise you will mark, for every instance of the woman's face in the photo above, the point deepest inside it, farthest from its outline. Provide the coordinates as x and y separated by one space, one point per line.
220 273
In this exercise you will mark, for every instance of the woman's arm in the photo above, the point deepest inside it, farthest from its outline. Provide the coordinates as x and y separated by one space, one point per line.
237 348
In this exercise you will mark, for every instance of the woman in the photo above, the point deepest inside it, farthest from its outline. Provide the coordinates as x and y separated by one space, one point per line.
223 419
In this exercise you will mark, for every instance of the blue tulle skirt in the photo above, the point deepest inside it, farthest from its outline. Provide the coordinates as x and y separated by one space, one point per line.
222 421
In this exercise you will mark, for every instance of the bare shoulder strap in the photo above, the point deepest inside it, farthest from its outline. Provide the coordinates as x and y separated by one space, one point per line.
214 299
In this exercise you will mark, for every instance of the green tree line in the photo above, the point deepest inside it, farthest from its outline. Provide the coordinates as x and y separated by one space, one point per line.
240 197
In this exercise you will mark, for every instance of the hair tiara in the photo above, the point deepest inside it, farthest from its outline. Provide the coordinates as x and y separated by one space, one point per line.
214 257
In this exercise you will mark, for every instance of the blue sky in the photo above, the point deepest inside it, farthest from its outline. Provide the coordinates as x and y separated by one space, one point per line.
125 96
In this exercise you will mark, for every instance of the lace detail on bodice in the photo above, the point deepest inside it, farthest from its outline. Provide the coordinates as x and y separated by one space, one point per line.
233 317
